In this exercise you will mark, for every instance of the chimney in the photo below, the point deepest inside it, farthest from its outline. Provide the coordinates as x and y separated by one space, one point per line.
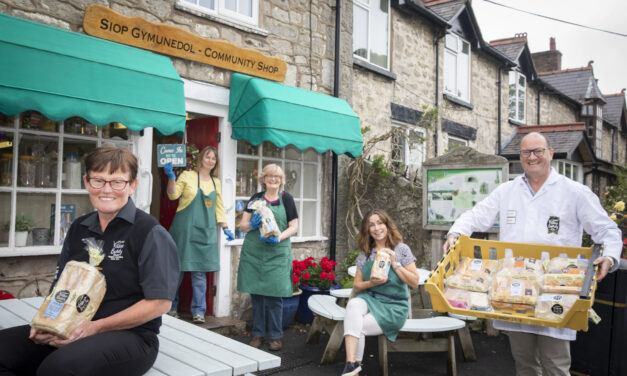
548 61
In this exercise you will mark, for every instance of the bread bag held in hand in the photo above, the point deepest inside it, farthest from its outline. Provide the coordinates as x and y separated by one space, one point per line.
381 265
269 226
75 297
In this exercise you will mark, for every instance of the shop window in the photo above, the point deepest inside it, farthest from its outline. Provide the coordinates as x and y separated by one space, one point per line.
457 67
41 169
517 96
302 180
246 11
371 31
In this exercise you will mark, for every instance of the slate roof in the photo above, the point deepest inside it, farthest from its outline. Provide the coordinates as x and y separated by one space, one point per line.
446 9
511 50
613 109
565 139
578 84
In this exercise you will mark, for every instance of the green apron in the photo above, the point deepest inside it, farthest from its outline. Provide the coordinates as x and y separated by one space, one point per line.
265 269
194 232
390 313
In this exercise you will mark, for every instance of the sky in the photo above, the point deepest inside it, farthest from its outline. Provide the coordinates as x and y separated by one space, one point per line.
578 45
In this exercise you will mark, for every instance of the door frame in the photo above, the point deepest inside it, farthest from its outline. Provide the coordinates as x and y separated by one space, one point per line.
212 100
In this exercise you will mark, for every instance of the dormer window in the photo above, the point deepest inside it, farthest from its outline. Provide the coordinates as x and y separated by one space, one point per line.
517 96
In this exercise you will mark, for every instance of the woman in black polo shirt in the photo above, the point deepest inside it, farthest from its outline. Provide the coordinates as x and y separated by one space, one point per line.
141 269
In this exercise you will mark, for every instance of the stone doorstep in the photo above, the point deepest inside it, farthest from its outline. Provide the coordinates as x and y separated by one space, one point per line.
225 326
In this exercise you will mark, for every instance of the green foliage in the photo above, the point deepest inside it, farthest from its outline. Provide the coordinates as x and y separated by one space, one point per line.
379 165
23 222
349 260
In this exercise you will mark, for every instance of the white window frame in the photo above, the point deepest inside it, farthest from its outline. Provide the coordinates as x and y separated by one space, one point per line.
298 196
366 6
562 165
60 193
517 76
221 11
408 151
462 72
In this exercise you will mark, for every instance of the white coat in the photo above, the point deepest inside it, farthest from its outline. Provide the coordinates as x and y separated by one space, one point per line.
555 215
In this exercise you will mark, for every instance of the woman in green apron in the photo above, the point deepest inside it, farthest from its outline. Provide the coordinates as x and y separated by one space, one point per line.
381 305
194 226
265 264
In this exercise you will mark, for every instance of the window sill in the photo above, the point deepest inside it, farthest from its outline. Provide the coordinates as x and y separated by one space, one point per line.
374 68
196 11
34 250
516 123
239 242
458 101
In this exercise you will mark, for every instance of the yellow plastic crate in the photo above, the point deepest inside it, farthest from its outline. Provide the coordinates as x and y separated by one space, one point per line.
577 316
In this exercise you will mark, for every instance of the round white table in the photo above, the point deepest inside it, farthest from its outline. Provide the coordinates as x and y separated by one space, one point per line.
341 293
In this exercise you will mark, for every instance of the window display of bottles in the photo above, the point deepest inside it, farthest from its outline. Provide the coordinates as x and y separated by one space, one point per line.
72 172
6 168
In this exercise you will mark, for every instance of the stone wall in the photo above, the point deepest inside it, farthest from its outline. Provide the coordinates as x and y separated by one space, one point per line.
606 144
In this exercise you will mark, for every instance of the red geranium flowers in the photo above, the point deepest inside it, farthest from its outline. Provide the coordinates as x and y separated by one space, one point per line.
309 273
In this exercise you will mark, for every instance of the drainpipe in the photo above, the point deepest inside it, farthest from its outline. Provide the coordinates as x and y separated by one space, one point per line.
538 117
436 42
498 116
336 93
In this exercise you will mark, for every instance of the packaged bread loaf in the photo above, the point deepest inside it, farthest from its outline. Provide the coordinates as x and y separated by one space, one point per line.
520 268
473 275
563 283
381 265
515 291
478 267
269 226
562 264
74 299
554 306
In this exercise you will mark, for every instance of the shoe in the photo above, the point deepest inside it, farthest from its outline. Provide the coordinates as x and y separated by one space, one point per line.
174 314
256 342
198 319
276 344
351 369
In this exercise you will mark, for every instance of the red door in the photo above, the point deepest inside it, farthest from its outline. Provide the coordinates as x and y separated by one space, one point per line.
200 132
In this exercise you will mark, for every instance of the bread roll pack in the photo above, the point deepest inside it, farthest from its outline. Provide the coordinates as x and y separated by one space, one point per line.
554 306
76 296
269 226
381 265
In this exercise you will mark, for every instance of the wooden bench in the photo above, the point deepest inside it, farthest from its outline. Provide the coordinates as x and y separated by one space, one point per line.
185 349
329 315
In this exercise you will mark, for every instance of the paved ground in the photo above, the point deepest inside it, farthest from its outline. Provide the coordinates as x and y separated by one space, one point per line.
298 358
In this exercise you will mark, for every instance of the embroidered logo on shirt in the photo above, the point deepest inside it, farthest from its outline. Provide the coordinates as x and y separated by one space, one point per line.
553 225
208 203
116 251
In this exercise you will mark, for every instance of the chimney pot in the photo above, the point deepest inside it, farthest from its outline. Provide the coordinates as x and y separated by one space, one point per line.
552 44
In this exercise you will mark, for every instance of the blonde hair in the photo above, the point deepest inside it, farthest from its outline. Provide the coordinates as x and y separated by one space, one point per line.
271 169
206 150
366 242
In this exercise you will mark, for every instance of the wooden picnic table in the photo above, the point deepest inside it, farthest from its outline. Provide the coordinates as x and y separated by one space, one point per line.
185 349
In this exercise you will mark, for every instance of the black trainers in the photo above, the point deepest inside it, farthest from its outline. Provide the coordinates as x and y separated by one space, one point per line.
351 369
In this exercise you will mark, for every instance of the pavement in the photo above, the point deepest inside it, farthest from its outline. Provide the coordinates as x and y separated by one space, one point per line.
298 358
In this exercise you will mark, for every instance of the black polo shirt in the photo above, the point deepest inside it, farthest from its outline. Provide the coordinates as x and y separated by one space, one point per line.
140 259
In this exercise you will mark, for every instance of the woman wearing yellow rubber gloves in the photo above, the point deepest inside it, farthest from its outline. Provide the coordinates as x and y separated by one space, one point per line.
194 226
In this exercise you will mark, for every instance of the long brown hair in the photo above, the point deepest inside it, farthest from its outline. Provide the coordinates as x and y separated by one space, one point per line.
366 242
207 149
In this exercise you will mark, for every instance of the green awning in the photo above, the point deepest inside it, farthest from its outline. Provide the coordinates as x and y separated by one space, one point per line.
63 74
262 110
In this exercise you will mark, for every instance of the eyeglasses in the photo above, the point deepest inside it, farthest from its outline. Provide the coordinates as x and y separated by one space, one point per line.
537 152
277 177
116 185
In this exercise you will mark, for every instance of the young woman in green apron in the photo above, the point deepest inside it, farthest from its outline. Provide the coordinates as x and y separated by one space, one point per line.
381 305
265 264
194 226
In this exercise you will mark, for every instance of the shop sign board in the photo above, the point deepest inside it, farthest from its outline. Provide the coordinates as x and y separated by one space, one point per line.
102 22
171 153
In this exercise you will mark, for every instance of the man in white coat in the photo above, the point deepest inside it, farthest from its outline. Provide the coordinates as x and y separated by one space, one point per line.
542 207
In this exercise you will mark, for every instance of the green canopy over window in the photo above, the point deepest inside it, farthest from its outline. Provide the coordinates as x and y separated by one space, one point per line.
63 74
262 110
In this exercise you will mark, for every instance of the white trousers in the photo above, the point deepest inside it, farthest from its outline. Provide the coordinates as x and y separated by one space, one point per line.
359 323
